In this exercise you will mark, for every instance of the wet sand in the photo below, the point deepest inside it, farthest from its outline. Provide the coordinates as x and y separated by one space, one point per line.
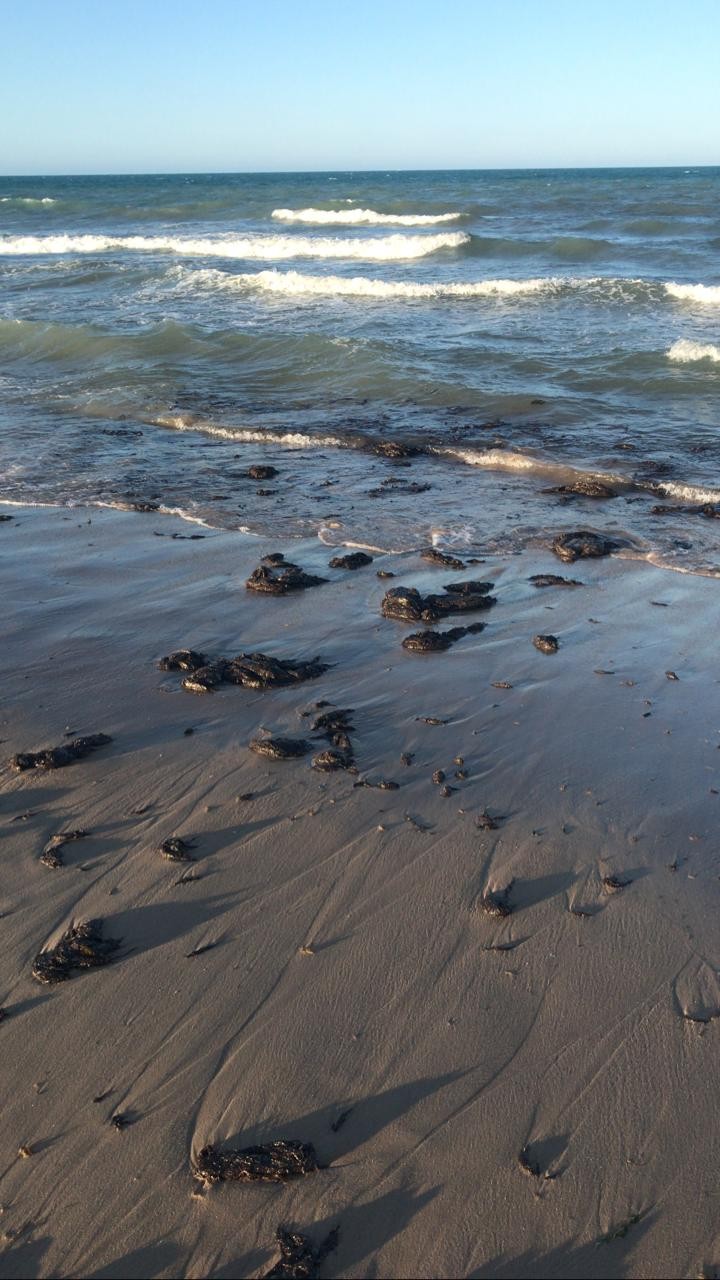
509 1095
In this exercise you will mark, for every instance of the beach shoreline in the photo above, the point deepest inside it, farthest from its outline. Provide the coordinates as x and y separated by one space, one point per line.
530 1093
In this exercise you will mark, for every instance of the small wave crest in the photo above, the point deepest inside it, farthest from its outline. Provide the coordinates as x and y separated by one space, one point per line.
244 435
565 473
266 247
362 217
294 283
687 492
505 460
27 200
684 351
708 294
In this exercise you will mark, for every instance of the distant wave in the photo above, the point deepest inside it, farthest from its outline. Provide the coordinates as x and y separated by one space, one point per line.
705 293
362 217
28 200
264 247
686 352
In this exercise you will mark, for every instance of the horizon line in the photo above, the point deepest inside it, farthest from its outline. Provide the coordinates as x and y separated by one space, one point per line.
252 173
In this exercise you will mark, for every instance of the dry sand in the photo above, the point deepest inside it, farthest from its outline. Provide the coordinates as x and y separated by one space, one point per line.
582 1028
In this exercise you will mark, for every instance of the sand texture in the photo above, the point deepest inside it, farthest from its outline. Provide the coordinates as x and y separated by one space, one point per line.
490 1003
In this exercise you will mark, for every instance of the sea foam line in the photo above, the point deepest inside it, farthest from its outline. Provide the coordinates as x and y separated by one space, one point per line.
551 469
684 351
245 435
362 217
262 247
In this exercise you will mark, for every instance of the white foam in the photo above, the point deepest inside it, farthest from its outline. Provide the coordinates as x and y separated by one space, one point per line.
362 217
260 246
506 460
707 294
119 505
687 492
501 460
28 502
247 435
295 283
464 536
328 535
684 351
27 200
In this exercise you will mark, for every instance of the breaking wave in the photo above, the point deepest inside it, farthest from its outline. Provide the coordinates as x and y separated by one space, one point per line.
295 283
687 492
258 246
686 352
708 294
362 217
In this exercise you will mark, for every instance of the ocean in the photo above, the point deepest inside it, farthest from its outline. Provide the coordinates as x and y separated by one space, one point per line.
505 333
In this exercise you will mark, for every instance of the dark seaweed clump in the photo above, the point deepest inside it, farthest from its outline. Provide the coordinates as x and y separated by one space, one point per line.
546 644
496 902
183 660
335 725
355 560
433 556
51 855
82 946
438 641
273 1162
299 1258
175 849
553 580
280 748
407 604
585 487
58 757
583 545
278 576
253 670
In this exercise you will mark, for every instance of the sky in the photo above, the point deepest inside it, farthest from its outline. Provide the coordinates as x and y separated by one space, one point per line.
168 86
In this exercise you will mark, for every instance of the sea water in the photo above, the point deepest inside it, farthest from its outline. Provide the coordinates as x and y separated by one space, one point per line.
510 331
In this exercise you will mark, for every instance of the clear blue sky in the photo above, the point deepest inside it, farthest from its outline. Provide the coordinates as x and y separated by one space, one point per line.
230 85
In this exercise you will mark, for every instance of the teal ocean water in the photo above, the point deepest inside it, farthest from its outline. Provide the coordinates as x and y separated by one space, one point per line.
506 330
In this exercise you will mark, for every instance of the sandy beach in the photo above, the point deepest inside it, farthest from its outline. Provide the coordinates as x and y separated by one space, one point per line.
489 1095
